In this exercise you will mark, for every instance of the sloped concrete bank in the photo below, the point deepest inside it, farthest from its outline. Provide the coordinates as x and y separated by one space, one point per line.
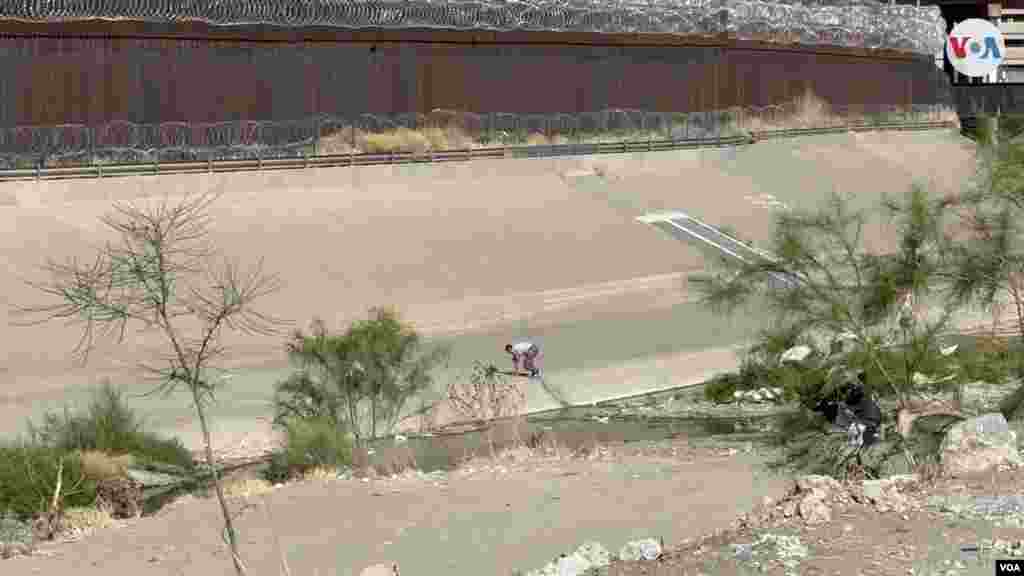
475 254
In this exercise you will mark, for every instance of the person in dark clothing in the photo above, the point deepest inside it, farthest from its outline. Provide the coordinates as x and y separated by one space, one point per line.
856 405
865 410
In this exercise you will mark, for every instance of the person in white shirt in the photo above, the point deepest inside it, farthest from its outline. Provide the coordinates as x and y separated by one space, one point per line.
526 351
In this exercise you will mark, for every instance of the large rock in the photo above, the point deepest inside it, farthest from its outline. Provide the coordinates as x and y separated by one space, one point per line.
816 484
814 510
814 493
979 444
886 493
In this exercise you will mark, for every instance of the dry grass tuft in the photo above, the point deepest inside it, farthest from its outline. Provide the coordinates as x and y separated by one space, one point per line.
320 474
79 522
807 111
340 142
517 454
246 487
353 140
811 111
400 140
102 466
449 130
387 460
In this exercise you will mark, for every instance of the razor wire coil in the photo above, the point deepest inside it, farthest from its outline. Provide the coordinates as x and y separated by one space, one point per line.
122 141
847 23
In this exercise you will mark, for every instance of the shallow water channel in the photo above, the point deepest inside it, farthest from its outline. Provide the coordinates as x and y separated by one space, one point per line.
574 428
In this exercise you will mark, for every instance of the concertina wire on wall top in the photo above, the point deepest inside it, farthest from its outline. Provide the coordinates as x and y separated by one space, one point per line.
846 23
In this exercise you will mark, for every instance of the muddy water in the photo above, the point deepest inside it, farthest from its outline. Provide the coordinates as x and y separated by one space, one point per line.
574 429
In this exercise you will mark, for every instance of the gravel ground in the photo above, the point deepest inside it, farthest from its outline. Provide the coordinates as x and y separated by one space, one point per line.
946 528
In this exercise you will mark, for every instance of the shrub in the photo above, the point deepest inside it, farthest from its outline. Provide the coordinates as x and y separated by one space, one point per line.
990 361
720 388
360 379
310 443
108 426
14 530
28 477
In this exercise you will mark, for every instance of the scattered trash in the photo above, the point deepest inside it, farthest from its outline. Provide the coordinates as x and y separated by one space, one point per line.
587 557
796 354
759 395
646 549
744 552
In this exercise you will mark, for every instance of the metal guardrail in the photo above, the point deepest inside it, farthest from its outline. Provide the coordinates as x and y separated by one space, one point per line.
371 159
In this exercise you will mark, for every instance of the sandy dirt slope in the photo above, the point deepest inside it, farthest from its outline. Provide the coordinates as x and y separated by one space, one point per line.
502 248
482 520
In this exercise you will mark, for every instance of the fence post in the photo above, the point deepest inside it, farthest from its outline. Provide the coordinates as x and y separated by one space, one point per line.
316 136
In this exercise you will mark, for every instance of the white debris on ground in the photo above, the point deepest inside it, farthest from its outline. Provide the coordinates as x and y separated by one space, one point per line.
646 549
437 478
758 395
593 555
789 549
588 556
382 569
796 354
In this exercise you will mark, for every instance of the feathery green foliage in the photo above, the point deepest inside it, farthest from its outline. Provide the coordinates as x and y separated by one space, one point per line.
822 284
108 425
161 276
361 379
28 478
990 256
316 442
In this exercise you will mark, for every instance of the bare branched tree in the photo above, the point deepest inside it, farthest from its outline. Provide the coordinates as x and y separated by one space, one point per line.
163 276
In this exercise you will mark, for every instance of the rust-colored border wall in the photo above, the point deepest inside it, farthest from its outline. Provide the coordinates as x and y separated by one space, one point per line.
94 73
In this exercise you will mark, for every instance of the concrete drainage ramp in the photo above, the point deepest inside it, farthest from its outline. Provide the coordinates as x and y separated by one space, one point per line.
475 253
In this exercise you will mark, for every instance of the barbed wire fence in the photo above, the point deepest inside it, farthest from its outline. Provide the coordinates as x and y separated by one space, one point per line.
126 142
857 23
